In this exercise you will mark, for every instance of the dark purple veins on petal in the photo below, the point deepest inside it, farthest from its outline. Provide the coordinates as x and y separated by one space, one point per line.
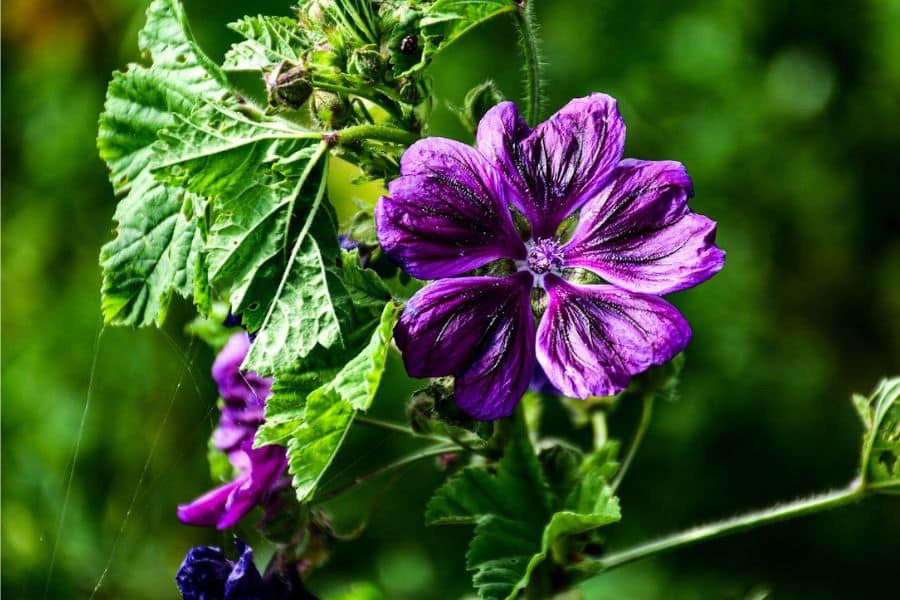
479 329
447 213
594 338
561 163
639 233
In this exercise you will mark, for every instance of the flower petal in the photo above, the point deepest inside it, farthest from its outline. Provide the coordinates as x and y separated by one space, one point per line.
235 386
593 338
244 582
640 235
267 464
259 472
208 509
479 329
447 212
561 163
203 573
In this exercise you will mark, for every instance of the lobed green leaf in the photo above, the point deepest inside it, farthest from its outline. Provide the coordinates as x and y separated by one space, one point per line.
156 251
269 40
520 520
313 421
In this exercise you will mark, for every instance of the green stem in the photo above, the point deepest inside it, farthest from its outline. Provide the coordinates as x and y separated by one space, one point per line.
528 38
782 512
396 427
381 133
401 463
646 413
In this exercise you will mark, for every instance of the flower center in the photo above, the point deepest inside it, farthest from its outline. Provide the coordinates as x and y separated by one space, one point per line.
544 255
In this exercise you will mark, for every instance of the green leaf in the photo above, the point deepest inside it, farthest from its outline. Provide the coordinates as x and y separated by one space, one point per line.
269 40
273 249
366 288
520 521
286 405
509 505
589 505
446 20
314 422
880 413
315 443
305 310
157 248
234 159
153 255
358 381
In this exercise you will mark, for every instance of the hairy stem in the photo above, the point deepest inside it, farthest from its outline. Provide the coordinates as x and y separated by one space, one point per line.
396 427
528 39
401 463
380 133
646 413
717 529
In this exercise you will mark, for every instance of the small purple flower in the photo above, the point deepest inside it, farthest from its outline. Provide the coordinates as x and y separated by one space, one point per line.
260 470
206 574
449 213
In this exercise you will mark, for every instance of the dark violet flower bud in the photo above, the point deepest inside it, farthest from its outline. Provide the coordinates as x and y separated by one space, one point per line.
206 574
409 44
288 85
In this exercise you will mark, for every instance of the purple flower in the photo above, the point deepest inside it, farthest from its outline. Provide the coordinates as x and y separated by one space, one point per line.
449 213
261 470
206 574
235 385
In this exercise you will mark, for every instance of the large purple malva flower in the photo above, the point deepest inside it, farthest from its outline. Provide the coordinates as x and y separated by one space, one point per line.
635 239
260 470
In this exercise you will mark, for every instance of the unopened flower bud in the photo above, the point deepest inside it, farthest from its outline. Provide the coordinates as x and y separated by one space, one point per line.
414 90
366 62
330 109
479 100
288 85
315 11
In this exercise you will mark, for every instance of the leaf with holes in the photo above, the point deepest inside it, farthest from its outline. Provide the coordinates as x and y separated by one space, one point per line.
157 249
272 249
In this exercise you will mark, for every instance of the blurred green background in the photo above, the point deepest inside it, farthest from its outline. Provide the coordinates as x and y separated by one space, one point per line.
786 113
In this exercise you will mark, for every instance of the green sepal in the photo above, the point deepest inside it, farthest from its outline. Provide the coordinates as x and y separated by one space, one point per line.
880 414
